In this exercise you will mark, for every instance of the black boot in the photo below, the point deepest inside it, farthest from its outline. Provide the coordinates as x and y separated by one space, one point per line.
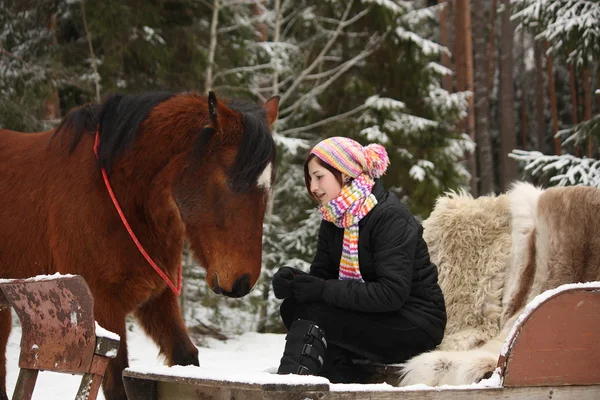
339 367
304 349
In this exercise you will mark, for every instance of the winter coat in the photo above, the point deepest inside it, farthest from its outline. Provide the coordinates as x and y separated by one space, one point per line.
394 263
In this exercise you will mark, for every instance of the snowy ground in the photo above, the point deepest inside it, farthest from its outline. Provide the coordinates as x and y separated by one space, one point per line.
252 352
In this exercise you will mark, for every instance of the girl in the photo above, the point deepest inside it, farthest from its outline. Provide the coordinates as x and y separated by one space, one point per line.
372 291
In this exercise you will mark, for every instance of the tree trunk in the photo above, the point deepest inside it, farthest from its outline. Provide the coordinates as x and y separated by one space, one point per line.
524 90
482 106
276 38
492 48
539 98
587 105
508 167
208 83
446 79
553 102
52 102
464 75
573 89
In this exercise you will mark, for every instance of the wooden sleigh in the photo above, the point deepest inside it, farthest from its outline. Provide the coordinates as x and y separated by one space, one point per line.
59 333
553 352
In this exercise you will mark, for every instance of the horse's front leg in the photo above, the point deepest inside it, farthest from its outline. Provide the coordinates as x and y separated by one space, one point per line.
112 319
161 319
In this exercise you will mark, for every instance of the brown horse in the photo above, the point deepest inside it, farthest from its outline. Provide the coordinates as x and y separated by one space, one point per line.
181 166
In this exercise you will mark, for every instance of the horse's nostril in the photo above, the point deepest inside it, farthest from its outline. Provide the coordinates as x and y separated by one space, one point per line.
241 287
216 288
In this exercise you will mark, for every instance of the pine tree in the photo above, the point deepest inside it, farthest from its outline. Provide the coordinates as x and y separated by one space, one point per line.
573 31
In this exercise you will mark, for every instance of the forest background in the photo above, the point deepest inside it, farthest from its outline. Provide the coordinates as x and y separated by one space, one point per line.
465 95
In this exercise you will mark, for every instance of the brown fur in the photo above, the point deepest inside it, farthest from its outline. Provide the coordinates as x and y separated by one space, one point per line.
56 216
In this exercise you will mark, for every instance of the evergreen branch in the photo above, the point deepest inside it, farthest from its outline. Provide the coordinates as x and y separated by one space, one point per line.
567 170
579 133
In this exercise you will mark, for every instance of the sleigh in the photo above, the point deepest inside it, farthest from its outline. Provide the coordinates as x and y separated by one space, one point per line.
553 351
59 333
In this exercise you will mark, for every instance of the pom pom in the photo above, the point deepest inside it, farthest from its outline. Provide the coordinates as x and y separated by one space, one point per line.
377 160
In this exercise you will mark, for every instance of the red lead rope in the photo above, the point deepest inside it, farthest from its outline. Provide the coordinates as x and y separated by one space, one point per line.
176 290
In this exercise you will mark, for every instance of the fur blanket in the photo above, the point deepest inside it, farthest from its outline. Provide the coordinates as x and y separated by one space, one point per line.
494 254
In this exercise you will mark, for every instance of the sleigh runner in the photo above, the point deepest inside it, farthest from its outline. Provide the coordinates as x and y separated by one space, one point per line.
553 351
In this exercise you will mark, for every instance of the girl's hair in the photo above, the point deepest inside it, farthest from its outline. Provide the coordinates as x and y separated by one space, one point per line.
335 172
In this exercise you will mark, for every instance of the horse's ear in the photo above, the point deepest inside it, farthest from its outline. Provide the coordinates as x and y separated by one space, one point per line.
272 109
212 107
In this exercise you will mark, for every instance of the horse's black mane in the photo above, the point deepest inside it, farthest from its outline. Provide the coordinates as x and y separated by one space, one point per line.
120 116
257 148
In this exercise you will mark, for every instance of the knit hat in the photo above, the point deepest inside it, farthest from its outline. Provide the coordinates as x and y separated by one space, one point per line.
351 158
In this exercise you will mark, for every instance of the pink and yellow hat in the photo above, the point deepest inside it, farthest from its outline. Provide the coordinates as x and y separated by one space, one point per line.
351 158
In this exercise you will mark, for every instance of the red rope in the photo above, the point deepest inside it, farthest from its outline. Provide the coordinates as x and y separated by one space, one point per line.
176 290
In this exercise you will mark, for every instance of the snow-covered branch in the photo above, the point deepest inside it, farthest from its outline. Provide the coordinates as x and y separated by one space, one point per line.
579 133
566 170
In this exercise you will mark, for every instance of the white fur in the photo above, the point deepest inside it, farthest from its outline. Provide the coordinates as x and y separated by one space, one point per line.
524 198
264 180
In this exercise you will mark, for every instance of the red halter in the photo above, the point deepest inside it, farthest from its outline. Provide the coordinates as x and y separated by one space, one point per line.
176 290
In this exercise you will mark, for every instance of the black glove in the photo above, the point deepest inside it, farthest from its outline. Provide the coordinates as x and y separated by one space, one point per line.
282 282
308 288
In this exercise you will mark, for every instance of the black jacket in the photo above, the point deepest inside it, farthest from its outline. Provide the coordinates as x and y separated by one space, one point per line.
394 263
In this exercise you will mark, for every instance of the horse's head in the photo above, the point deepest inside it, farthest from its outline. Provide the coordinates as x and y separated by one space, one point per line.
222 193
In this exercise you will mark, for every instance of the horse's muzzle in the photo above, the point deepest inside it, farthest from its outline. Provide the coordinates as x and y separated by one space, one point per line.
241 287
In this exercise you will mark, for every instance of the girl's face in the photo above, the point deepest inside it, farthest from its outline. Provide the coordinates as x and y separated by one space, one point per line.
323 184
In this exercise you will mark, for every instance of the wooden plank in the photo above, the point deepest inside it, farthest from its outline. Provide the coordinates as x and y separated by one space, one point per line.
150 386
559 343
177 391
247 386
140 389
522 393
182 391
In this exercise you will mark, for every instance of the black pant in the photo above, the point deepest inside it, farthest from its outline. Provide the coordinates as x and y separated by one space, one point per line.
380 337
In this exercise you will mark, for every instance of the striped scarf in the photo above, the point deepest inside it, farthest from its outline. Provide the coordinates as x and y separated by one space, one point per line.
345 211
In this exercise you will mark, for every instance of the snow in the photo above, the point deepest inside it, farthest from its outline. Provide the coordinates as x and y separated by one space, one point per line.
100 331
39 278
256 359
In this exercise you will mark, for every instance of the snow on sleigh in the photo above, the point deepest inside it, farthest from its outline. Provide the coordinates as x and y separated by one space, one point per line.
519 323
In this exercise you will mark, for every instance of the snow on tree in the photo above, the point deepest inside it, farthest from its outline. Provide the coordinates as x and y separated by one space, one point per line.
573 29
570 25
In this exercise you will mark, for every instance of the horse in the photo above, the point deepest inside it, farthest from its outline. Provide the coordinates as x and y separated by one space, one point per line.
180 166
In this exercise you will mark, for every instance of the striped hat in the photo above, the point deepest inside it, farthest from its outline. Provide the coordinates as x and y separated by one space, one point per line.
351 158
